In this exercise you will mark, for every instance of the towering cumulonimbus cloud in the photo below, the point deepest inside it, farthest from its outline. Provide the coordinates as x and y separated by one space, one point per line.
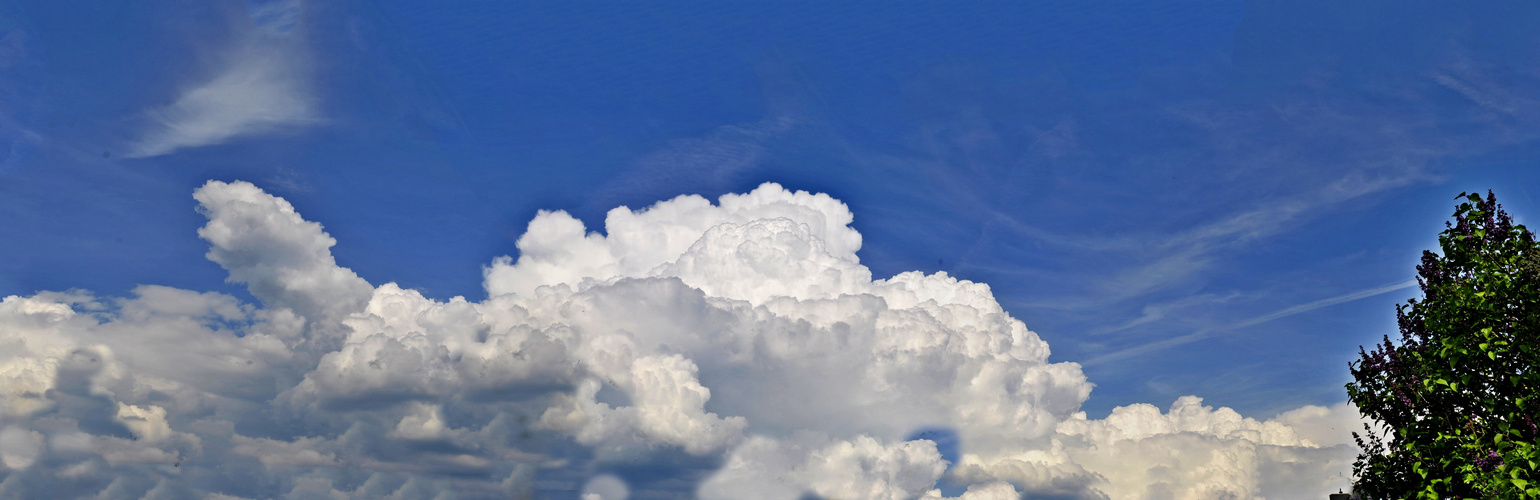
737 348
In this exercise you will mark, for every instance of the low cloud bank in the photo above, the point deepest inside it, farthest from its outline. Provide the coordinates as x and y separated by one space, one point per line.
737 350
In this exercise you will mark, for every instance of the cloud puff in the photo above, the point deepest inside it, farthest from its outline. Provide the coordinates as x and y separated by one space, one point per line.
262 87
738 348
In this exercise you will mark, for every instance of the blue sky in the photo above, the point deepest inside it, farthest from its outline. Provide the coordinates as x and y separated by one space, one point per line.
1220 199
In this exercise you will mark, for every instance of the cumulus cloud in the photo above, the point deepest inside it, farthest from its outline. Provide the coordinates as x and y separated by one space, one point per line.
260 87
738 348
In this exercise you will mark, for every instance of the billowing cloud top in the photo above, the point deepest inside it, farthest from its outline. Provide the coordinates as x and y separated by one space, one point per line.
738 349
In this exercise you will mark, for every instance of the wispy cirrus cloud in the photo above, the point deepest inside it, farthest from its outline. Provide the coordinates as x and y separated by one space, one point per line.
262 88
1210 332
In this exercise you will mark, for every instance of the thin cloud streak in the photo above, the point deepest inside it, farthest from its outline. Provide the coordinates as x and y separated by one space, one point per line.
1327 302
262 89
1179 255
1209 332
1192 250
1156 312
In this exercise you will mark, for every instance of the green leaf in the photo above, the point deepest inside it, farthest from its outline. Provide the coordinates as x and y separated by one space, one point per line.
1485 302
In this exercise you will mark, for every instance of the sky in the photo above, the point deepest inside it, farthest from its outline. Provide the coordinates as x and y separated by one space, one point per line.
346 249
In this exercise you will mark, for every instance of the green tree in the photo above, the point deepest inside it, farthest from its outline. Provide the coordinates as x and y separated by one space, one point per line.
1455 399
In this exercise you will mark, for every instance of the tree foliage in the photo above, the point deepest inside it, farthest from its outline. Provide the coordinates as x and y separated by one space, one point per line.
1455 399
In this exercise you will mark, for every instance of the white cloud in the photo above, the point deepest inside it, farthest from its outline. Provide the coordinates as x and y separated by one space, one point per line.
556 248
605 487
274 453
19 447
285 260
262 87
745 331
1196 451
864 468
998 490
